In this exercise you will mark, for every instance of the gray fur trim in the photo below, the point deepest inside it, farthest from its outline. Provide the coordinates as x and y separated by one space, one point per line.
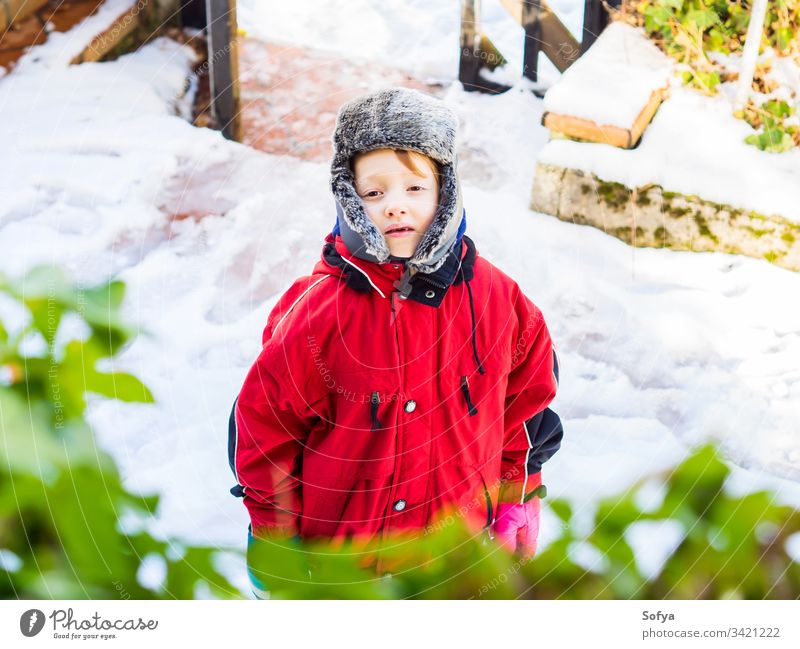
397 118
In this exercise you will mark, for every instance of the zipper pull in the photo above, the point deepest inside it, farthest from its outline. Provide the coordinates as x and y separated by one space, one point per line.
396 305
465 391
374 401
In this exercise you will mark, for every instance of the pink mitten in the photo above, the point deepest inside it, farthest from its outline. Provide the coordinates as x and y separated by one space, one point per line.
516 527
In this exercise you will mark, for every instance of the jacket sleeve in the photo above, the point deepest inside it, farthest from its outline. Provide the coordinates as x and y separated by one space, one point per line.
273 414
533 431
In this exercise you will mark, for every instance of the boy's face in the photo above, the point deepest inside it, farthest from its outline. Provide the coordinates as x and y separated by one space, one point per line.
399 202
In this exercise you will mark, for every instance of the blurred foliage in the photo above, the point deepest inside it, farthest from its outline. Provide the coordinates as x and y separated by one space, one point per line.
689 30
775 132
731 547
70 529
65 516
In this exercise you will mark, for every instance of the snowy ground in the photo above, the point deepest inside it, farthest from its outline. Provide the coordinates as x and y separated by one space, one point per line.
660 350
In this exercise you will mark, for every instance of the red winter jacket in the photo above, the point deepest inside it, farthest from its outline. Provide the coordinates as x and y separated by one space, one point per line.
365 413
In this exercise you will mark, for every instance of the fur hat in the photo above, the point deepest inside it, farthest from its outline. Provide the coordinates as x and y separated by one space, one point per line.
397 118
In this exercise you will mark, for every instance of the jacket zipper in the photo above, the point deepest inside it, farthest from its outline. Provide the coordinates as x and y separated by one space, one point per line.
432 282
489 507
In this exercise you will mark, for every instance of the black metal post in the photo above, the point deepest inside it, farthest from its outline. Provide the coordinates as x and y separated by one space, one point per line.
533 38
595 19
193 13
224 66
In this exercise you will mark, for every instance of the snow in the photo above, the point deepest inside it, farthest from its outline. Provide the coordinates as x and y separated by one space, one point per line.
793 546
613 81
651 557
660 351
9 561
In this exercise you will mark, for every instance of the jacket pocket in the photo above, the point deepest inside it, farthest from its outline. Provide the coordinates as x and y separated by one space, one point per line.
360 440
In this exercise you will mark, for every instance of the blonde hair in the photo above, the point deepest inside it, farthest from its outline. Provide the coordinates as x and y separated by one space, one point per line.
411 160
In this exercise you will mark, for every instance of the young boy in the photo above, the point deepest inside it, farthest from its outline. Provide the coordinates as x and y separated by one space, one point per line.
406 373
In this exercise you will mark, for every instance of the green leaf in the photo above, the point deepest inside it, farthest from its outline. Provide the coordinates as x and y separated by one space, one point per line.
562 509
783 38
119 385
778 108
776 140
702 19
656 17
27 445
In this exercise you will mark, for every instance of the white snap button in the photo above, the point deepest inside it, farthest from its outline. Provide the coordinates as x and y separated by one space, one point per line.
430 294
410 406
400 505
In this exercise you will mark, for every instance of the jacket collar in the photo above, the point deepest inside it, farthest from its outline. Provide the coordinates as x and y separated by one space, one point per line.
383 278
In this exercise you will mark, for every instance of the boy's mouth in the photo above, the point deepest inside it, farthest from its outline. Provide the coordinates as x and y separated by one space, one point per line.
399 230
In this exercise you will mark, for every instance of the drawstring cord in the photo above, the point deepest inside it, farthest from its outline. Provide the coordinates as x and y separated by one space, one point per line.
474 335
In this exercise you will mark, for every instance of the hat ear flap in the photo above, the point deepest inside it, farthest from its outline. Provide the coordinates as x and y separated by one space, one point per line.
355 241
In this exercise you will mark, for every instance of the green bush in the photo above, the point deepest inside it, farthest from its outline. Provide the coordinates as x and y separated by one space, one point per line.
732 547
65 516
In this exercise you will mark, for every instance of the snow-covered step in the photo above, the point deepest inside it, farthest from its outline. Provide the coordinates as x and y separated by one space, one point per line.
82 32
131 15
611 93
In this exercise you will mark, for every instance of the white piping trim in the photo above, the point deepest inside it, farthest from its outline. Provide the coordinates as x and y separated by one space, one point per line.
527 457
365 275
236 441
294 304
558 363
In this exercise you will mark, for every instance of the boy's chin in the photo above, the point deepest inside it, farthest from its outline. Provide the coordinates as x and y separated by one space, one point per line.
404 250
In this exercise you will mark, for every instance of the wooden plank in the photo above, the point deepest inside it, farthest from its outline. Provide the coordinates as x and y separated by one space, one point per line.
646 114
127 22
584 129
554 40
223 58
12 11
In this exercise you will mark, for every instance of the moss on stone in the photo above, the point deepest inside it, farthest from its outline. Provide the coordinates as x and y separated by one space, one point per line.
702 226
758 233
678 212
615 195
662 237
743 231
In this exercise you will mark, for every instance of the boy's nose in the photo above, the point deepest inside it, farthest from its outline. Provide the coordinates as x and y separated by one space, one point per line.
394 210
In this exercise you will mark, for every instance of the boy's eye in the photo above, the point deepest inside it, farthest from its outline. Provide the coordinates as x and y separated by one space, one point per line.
416 188
371 194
